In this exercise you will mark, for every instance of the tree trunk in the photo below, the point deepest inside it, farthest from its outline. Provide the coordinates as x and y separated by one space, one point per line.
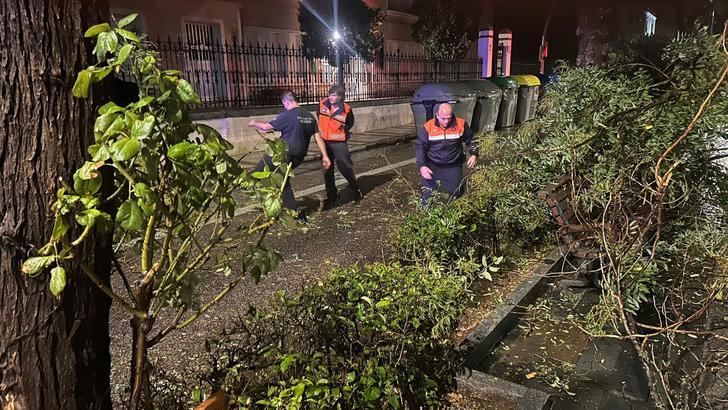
54 353
593 31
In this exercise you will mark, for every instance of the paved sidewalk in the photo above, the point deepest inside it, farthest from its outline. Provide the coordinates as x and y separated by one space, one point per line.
358 142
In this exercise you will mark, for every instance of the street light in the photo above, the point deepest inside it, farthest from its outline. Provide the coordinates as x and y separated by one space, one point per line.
337 44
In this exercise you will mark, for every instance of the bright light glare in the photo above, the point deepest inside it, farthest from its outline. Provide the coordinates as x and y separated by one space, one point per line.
337 35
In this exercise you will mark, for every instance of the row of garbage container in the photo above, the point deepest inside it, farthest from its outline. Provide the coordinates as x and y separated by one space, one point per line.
498 102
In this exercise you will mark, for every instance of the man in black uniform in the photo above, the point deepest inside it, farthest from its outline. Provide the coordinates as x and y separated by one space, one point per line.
297 126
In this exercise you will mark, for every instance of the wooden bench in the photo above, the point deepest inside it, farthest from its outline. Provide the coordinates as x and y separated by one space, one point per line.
573 235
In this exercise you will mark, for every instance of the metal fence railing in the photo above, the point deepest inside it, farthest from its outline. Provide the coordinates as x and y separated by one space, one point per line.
235 75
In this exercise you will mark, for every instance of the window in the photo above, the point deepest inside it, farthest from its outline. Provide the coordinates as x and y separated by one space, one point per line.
650 20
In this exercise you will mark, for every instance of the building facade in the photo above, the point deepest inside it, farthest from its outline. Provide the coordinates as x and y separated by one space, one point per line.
271 22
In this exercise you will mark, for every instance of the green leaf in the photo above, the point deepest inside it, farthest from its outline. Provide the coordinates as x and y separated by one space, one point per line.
90 170
186 93
140 129
125 21
106 43
143 102
143 191
82 84
298 389
128 35
147 197
180 150
129 216
272 206
87 217
207 132
287 361
58 280
260 174
108 108
383 304
33 266
372 394
84 185
59 229
99 152
124 53
367 299
100 74
94 31
125 149
104 121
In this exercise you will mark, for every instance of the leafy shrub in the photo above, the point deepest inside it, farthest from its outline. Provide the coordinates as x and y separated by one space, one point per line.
499 214
368 337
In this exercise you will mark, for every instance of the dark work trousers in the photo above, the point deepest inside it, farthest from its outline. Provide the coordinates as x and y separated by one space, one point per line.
289 200
450 178
338 152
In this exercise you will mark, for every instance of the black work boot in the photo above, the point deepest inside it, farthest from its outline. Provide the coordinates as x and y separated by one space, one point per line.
328 203
357 193
302 217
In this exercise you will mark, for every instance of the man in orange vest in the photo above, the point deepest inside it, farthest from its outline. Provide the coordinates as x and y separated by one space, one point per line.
440 156
335 121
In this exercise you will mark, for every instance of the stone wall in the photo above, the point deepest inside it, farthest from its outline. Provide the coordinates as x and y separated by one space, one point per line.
367 118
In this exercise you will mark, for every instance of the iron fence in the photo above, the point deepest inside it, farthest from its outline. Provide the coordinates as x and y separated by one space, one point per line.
236 75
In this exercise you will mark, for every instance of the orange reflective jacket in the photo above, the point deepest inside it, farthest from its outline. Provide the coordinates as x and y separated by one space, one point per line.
332 127
437 133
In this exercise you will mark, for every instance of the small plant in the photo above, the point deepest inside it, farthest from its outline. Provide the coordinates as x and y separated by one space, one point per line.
156 179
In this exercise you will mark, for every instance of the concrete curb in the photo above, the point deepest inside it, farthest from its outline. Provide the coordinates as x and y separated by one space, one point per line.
490 331
493 329
481 384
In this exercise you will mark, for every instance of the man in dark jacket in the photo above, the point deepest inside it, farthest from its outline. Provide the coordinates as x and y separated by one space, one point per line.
335 122
440 155
297 126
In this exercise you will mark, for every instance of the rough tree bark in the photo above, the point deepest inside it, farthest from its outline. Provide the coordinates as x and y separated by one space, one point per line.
593 24
54 353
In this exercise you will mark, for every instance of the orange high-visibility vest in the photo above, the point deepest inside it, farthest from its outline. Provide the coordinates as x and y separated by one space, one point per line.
332 127
437 133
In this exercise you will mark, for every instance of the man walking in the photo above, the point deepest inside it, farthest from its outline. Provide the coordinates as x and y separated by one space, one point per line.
440 156
296 125
335 122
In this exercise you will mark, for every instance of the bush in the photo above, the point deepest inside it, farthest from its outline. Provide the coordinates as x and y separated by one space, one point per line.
376 336
499 215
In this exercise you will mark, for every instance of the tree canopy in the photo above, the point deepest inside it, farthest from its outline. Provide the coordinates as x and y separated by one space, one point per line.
445 28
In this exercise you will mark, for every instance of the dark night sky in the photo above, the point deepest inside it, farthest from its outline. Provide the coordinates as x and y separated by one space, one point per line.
526 19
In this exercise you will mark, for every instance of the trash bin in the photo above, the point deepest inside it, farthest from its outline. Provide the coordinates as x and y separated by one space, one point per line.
507 109
488 101
546 80
527 97
428 97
